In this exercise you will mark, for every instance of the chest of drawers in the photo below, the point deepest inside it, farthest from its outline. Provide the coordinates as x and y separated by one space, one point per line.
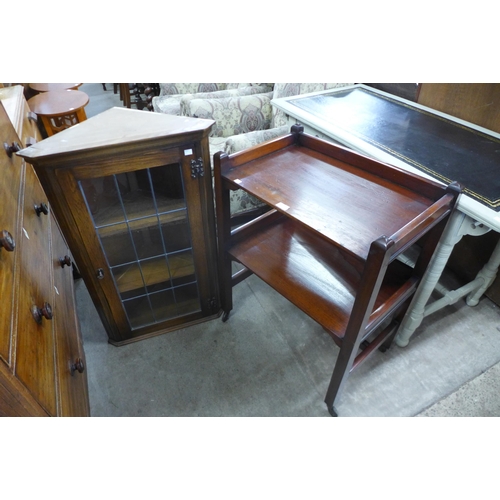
42 363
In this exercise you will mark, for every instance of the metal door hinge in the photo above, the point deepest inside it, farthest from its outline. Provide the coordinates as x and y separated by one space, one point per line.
197 169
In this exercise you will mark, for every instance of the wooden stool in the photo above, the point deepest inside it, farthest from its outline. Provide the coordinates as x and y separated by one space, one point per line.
47 87
59 109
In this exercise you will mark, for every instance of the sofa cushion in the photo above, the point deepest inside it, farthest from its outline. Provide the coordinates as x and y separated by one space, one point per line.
240 91
234 115
189 88
171 103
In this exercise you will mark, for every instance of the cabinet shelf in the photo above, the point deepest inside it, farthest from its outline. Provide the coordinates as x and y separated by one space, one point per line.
139 211
149 273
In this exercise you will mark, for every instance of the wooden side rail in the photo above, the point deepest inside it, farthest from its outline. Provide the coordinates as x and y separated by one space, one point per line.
407 235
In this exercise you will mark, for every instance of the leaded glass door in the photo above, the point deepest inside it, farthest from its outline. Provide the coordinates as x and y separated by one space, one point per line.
147 222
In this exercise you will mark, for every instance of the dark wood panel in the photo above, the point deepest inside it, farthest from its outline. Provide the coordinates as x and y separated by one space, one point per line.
478 103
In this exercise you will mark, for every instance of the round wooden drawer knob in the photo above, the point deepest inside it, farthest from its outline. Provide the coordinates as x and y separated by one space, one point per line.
13 148
7 241
65 261
44 312
41 209
78 366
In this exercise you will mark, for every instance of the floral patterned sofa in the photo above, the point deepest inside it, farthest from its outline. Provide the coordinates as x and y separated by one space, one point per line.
232 115
245 121
169 99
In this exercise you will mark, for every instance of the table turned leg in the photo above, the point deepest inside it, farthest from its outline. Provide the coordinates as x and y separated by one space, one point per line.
81 115
416 312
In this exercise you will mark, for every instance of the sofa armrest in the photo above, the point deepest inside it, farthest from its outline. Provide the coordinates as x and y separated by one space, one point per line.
234 115
169 104
237 143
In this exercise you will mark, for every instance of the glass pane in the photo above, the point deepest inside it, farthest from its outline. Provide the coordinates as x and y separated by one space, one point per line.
139 312
181 267
142 221
103 200
129 280
168 187
147 237
187 299
136 193
156 274
163 304
117 244
176 233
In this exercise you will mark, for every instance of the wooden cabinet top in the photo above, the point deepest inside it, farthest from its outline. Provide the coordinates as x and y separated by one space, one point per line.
116 128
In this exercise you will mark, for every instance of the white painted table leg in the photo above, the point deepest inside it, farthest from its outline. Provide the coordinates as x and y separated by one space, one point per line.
488 274
416 312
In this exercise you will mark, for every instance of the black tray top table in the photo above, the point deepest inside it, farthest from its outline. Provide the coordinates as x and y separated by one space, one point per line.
426 142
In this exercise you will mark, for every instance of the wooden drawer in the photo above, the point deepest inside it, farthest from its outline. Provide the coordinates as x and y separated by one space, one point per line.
11 172
71 363
35 338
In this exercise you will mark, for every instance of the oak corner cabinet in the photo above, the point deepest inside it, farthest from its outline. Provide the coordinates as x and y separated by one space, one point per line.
133 193
42 362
